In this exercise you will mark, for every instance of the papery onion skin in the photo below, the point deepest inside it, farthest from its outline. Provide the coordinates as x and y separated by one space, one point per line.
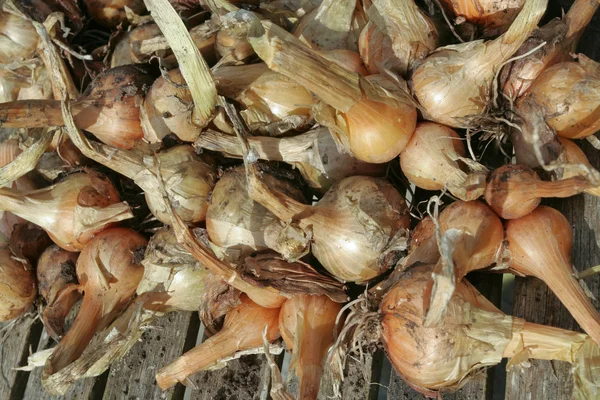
575 155
17 285
109 273
188 181
353 223
234 221
110 13
493 15
55 269
18 38
569 94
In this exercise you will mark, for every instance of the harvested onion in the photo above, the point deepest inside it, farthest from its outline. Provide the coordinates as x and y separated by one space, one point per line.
575 155
111 13
540 245
434 159
242 330
108 273
18 38
516 190
454 84
493 16
72 211
17 285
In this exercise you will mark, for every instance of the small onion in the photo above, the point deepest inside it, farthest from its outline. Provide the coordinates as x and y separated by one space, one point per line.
434 159
18 38
109 273
493 16
111 13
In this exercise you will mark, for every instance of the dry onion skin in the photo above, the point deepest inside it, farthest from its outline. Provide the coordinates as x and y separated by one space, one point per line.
18 38
314 153
568 95
57 284
188 180
108 273
473 335
242 330
516 190
25 84
234 221
307 324
454 84
71 211
540 245
434 159
575 155
17 285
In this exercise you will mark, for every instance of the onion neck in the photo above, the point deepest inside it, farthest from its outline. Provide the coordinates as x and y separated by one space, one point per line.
559 278
561 188
22 206
578 17
544 342
77 338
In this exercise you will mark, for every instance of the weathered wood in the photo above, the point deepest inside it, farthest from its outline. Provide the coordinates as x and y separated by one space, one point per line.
13 353
133 375
535 302
82 390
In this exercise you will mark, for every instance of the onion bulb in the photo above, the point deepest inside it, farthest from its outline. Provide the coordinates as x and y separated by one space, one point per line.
111 13
174 281
273 103
71 211
232 45
18 38
307 324
188 180
17 285
234 221
373 117
559 38
314 153
434 159
108 273
540 245
493 16
412 35
109 108
516 190
568 94
454 84
474 334
356 229
57 284
575 155
242 330
375 49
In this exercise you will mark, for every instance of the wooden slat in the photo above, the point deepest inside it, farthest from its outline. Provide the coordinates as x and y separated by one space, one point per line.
13 353
82 390
535 302
133 375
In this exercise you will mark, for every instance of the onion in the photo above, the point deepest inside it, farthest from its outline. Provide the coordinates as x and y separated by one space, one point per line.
175 281
412 35
242 330
108 273
434 159
375 49
474 334
568 95
109 108
57 284
18 38
516 190
232 45
539 244
327 27
575 155
307 324
372 117
471 239
111 13
234 221
314 153
347 59
493 16
17 285
454 83
560 37
356 230
188 181
72 211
